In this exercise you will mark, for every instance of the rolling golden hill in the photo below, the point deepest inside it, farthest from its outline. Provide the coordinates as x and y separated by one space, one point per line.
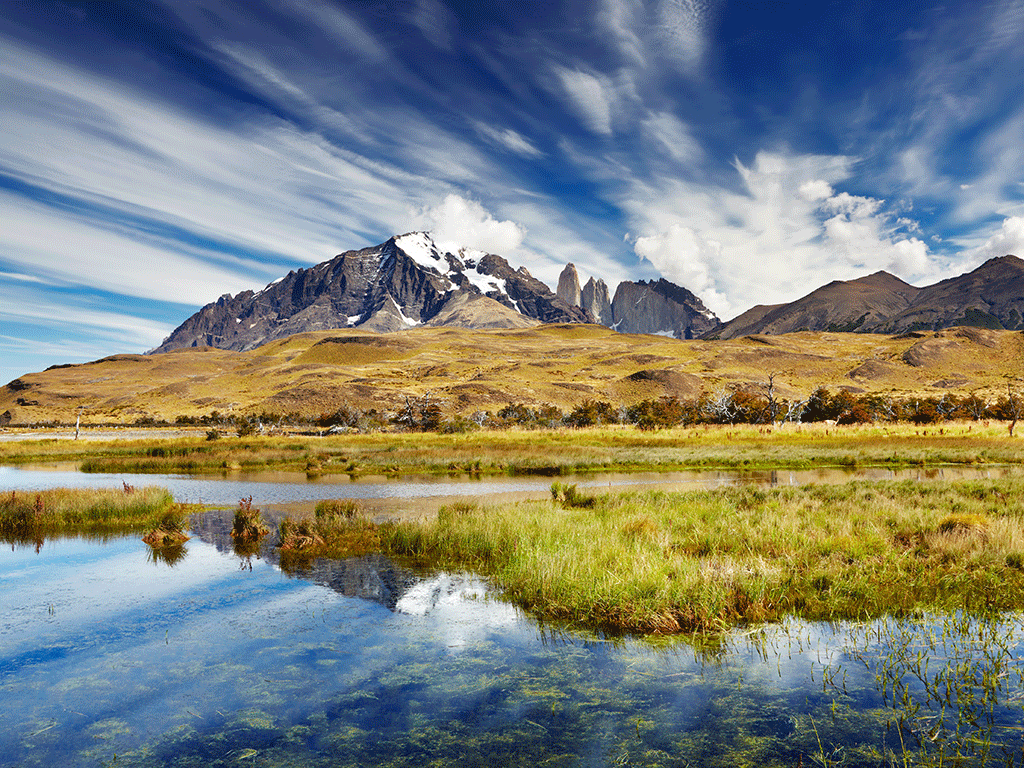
471 370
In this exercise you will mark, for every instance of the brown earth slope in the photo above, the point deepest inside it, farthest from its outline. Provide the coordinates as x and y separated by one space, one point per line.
840 306
470 370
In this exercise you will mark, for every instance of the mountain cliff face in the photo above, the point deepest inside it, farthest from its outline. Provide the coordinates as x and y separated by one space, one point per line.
594 299
398 284
569 285
661 308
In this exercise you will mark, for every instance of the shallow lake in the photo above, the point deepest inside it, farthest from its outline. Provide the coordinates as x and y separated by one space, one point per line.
410 495
111 657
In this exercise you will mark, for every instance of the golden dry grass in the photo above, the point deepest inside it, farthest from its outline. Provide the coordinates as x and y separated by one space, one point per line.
315 373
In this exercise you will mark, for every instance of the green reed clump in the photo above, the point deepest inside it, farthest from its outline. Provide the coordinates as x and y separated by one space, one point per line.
708 560
336 508
30 515
569 496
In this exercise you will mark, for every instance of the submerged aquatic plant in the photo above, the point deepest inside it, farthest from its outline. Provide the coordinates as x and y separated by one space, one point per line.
951 686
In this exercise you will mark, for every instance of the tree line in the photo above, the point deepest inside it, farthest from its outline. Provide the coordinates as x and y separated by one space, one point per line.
427 413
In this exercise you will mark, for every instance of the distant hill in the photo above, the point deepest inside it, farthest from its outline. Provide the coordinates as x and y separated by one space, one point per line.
840 306
991 296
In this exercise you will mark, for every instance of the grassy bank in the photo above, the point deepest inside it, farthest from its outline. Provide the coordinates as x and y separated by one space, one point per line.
27 516
551 452
708 560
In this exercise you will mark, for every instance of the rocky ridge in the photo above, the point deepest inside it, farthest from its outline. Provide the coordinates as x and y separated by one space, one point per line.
408 281
991 296
662 308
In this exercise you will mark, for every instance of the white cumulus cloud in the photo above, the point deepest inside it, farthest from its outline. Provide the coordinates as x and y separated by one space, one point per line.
1009 240
786 233
457 222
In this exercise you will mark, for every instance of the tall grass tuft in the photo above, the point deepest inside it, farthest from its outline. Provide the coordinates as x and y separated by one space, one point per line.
248 523
336 530
170 531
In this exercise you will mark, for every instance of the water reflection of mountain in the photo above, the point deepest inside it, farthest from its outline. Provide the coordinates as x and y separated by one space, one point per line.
371 577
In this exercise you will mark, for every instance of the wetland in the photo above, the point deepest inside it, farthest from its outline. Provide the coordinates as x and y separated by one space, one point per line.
748 615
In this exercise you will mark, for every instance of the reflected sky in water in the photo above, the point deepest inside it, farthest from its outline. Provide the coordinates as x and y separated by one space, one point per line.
105 651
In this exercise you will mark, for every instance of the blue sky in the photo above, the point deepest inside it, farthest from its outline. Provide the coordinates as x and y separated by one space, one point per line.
156 155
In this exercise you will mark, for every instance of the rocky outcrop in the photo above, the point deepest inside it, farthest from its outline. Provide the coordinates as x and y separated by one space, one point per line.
398 284
569 286
594 299
661 308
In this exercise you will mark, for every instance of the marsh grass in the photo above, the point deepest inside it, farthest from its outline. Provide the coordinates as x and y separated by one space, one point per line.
336 530
704 561
548 452
35 515
248 525
170 531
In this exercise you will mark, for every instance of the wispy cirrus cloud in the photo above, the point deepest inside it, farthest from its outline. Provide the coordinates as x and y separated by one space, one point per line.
589 96
508 139
215 145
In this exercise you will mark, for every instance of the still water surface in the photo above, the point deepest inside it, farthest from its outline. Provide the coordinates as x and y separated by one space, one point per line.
413 494
110 657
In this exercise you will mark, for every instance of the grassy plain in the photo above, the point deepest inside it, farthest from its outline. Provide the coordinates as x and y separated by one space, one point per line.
467 371
708 560
662 562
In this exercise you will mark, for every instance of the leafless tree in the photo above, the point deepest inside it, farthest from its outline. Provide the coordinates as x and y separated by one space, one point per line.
721 407
1014 404
976 406
794 411
774 406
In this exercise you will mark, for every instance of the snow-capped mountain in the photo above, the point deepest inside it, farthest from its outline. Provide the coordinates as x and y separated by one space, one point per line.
404 282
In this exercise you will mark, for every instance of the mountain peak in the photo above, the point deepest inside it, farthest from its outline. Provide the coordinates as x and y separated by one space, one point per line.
405 281
569 285
1008 261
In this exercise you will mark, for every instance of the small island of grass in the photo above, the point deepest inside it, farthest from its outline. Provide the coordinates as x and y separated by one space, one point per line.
705 561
